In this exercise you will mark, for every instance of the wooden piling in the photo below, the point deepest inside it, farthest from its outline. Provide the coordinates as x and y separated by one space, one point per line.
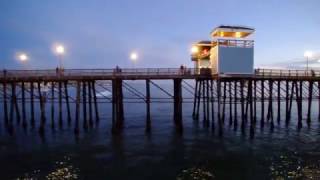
148 118
76 126
66 93
235 104
96 108
60 103
32 104
14 104
318 100
230 103
250 101
52 105
90 104
212 106
198 99
84 105
121 111
42 110
293 84
262 103
208 104
204 101
298 104
195 96
117 106
219 106
287 102
255 101
224 101
24 121
242 100
178 105
279 102
270 108
5 104
309 102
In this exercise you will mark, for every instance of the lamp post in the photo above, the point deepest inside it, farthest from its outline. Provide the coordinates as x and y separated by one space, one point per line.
307 55
60 50
134 58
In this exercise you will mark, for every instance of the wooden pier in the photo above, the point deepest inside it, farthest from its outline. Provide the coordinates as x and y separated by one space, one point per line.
261 97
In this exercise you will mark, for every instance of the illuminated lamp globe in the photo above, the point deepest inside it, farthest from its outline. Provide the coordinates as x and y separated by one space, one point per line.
194 49
60 49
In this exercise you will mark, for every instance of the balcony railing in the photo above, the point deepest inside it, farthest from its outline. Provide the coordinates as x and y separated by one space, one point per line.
235 43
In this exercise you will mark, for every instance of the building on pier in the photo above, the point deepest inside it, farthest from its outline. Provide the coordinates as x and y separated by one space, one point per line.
229 52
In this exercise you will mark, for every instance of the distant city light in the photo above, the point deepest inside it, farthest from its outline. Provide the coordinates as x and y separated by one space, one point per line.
194 49
133 56
60 49
319 60
23 57
308 54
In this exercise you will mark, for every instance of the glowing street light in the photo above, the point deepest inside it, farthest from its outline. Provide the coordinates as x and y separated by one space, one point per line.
60 50
134 57
307 54
23 57
194 49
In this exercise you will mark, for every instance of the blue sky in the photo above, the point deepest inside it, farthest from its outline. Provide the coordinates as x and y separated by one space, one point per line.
102 33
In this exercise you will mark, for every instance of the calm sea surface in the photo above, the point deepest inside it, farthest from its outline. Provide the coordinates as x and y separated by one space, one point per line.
284 152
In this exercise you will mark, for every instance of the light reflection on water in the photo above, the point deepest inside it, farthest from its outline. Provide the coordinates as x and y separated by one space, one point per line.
284 153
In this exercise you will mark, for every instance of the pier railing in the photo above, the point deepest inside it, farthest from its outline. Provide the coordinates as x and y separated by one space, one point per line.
287 73
119 72
98 72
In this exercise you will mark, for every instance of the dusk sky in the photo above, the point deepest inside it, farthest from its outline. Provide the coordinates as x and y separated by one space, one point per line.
102 33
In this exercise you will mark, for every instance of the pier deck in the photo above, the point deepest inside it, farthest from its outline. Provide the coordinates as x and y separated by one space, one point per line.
148 73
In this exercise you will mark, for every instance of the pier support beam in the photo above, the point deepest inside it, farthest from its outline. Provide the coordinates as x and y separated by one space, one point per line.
52 105
32 104
24 121
96 108
117 106
60 103
76 125
66 94
230 103
42 110
235 124
84 104
270 106
279 103
5 104
14 104
148 118
195 98
212 106
90 104
242 103
178 104
309 102
262 103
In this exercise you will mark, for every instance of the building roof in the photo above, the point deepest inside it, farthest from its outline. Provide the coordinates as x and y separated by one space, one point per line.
203 43
232 31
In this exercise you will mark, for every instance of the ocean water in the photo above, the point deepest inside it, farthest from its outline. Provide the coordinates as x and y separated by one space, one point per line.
284 152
